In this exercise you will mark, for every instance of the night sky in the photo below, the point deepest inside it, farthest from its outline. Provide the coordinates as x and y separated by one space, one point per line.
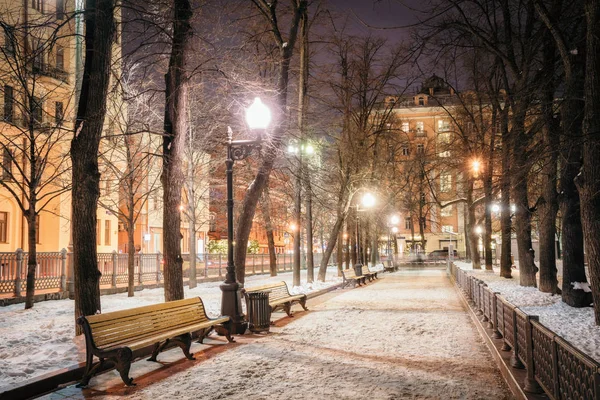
381 14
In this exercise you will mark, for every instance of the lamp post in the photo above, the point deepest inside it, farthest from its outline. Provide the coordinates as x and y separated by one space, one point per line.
394 220
368 201
258 116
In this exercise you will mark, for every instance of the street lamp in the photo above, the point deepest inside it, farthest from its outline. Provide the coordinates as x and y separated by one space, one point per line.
258 116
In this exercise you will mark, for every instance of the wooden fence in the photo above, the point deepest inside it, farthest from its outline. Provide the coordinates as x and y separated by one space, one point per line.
553 365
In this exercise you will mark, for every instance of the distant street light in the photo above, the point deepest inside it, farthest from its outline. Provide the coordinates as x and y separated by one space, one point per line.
394 220
258 117
495 208
368 201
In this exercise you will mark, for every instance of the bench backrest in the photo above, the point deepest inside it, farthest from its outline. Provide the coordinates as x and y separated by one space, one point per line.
277 290
349 273
118 327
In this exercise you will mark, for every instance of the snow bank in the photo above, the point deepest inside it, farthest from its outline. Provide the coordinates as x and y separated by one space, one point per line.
41 340
574 324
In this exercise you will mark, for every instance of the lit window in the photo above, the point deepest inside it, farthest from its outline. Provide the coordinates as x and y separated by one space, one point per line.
445 182
107 232
405 127
446 211
407 223
447 228
3 227
419 126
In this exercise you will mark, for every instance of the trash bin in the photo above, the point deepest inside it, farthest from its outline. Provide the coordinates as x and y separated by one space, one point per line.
259 311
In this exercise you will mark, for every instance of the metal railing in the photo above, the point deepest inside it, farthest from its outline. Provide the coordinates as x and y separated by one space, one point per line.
54 269
553 365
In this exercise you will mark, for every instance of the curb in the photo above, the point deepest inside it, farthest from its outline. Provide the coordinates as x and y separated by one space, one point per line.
61 378
511 376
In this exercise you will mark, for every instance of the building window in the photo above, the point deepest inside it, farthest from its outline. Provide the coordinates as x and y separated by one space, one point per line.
38 5
7 162
9 103
37 229
3 227
38 56
59 114
98 232
107 232
446 211
420 148
419 127
37 107
405 127
447 228
60 58
421 101
443 145
445 182
405 150
9 39
60 9
407 223
443 126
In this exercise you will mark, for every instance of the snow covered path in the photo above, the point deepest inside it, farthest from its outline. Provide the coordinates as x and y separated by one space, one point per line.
405 336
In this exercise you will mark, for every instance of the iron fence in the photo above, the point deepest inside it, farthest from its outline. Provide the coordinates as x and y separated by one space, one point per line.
553 365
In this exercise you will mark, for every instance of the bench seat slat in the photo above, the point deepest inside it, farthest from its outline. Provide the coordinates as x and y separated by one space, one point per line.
138 343
141 310
145 323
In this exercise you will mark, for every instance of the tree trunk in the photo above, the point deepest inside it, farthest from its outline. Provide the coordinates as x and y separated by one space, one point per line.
266 212
340 252
91 110
176 128
342 209
571 229
130 258
352 237
472 235
487 234
248 209
32 256
310 262
589 180
193 279
505 208
527 267
548 208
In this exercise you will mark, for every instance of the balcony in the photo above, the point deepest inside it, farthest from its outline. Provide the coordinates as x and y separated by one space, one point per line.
419 132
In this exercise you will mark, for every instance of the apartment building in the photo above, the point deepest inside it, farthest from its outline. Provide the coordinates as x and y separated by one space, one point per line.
426 129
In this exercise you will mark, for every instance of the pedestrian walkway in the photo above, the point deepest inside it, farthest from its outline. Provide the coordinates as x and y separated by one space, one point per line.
405 336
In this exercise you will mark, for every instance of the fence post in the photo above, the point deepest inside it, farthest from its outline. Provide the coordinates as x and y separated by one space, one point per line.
115 261
18 280
531 385
158 261
63 270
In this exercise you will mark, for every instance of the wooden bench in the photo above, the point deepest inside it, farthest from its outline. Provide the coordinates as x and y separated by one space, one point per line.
390 266
367 272
116 335
279 297
350 277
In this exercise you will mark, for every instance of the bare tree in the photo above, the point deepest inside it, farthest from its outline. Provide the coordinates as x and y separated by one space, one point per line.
99 37
36 126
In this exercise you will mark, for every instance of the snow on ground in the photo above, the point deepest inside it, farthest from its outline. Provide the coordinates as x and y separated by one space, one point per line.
406 336
41 340
573 324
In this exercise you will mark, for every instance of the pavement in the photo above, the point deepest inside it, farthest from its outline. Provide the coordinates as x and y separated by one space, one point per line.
406 335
